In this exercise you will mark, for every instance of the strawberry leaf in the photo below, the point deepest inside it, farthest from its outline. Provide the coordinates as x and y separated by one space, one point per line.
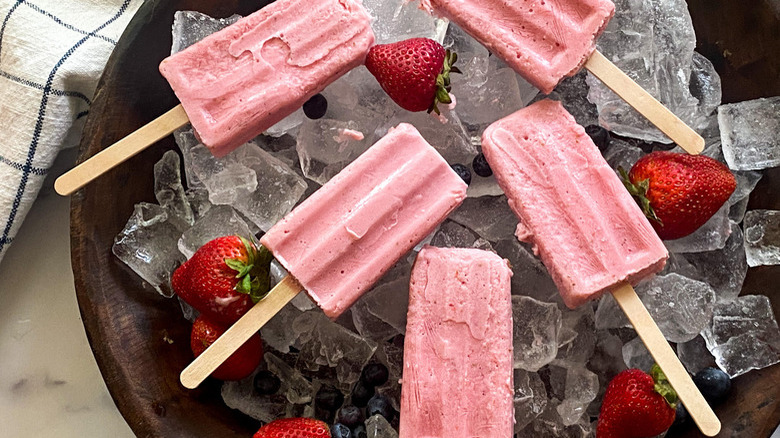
663 387
639 192
236 265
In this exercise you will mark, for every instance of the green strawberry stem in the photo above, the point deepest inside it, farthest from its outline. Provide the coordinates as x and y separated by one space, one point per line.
639 192
663 387
255 274
443 86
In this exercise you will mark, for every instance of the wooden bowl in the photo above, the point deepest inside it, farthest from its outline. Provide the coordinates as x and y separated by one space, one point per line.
141 341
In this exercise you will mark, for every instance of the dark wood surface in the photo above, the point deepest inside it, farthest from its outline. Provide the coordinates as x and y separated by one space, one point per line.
141 341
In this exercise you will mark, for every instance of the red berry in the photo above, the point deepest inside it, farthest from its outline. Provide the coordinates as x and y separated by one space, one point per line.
632 407
240 364
679 192
294 428
413 72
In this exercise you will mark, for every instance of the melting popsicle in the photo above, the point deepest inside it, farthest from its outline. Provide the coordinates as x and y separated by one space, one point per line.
545 41
240 81
584 225
457 377
341 239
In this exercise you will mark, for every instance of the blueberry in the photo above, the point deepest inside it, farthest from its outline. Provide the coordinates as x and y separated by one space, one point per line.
315 107
266 383
374 374
463 172
599 135
350 415
359 431
329 398
681 420
361 394
379 405
714 385
340 431
481 166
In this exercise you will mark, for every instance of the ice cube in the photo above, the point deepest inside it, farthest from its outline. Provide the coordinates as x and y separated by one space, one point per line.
694 355
254 182
147 244
622 154
473 59
529 276
680 306
322 342
530 397
748 132
746 182
572 92
187 141
189 312
488 216
705 84
397 20
483 104
380 313
326 146
582 386
536 327
295 387
168 188
287 125
451 138
242 396
189 27
762 237
198 198
453 235
550 425
378 427
723 269
744 335
579 327
709 237
653 41
277 332
636 355
220 221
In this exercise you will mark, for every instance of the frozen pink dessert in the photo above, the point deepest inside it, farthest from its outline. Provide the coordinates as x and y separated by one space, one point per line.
542 40
242 80
457 378
573 209
341 239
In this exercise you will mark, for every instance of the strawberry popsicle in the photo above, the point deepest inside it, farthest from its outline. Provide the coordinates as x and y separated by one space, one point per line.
545 41
584 225
573 209
457 377
240 81
340 240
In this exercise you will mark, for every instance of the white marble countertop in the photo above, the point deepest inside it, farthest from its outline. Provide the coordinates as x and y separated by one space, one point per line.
50 384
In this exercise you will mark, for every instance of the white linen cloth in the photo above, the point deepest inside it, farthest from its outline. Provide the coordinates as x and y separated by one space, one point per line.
52 53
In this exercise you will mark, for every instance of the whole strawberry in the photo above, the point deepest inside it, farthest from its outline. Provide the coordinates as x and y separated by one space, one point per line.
679 192
415 73
224 278
637 405
294 428
240 364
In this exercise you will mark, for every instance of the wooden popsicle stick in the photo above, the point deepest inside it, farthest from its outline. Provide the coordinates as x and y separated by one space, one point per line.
120 151
644 103
240 332
664 356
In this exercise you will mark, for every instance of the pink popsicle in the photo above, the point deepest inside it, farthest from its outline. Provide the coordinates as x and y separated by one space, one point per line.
457 377
240 81
543 40
573 209
347 234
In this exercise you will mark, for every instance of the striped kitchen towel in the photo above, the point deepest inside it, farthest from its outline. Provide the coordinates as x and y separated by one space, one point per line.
52 53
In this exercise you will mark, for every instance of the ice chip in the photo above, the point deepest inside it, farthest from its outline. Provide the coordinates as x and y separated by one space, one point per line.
529 276
189 27
762 237
453 235
536 327
748 132
635 355
168 188
295 386
324 150
380 314
147 244
694 355
530 397
488 216
709 237
744 335
397 20
220 221
581 387
378 427
242 396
